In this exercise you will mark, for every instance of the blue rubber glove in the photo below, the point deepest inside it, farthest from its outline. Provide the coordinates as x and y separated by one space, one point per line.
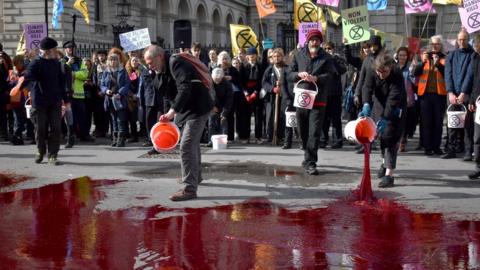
381 125
397 112
366 111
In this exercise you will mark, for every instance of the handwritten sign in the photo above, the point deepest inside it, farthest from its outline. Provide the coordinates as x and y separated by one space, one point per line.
34 33
135 40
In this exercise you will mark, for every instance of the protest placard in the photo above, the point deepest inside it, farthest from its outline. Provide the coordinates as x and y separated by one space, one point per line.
303 29
34 33
135 40
356 24
470 15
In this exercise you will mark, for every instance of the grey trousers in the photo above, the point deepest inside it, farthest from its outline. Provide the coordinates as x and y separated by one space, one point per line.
47 123
190 152
389 154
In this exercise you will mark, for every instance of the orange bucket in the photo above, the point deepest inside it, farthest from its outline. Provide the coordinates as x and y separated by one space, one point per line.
362 130
165 136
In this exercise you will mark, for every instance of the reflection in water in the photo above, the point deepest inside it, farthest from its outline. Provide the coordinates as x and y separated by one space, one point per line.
57 227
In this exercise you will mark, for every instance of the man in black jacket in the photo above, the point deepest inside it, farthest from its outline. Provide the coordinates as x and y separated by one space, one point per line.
191 108
217 122
312 65
384 89
473 106
155 84
47 89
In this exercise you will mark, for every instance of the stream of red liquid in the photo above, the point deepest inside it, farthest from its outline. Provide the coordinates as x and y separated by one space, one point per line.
365 192
60 227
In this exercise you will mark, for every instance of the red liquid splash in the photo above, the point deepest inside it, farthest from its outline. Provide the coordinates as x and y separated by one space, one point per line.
57 227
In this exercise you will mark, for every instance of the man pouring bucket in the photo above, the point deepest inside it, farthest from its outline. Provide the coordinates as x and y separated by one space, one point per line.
311 68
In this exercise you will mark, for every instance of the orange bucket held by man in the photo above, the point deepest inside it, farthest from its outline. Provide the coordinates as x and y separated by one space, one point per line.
165 136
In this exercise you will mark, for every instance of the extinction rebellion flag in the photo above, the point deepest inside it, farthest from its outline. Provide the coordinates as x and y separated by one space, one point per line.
418 6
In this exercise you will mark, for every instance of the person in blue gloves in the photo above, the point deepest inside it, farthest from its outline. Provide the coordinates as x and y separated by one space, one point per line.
385 100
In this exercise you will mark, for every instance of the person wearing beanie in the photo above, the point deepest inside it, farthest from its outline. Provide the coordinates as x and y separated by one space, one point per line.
47 90
217 121
252 84
376 48
313 66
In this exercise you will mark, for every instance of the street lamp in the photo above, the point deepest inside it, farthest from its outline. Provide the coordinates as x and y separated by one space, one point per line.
122 14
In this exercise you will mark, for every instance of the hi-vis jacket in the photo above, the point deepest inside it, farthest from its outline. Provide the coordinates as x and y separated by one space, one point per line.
423 69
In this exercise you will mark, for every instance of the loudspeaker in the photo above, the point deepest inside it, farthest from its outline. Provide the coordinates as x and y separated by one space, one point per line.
182 34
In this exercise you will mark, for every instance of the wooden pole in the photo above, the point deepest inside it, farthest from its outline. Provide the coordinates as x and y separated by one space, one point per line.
46 14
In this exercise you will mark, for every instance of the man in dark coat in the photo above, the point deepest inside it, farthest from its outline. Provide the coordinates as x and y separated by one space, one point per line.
155 83
217 122
473 106
384 88
312 65
191 108
47 89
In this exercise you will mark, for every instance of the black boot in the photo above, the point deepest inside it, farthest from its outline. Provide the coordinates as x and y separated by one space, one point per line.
70 142
381 172
121 140
387 181
114 139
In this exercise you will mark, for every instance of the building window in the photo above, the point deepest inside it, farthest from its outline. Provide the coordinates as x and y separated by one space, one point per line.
98 10
2 29
430 27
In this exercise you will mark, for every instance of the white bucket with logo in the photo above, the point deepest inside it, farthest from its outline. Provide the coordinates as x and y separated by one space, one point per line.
362 130
290 119
219 141
28 108
477 112
456 119
304 98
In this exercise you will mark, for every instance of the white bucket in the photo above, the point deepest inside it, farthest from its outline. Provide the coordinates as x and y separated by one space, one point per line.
362 130
28 108
456 119
219 141
304 98
477 112
290 119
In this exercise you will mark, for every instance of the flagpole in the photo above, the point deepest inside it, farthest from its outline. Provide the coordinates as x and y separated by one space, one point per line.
406 23
426 20
46 14
261 27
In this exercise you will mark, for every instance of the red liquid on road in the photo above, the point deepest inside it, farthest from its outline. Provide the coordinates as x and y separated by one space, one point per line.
58 227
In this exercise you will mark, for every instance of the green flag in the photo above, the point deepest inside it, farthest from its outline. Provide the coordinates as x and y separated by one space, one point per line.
356 26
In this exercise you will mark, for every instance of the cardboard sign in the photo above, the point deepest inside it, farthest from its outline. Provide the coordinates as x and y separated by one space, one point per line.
470 15
303 29
34 33
135 40
356 25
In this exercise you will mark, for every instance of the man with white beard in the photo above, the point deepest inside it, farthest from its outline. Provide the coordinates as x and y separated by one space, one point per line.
314 66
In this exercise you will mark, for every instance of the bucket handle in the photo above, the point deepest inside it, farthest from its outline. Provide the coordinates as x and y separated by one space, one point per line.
477 100
316 86
27 101
286 110
463 106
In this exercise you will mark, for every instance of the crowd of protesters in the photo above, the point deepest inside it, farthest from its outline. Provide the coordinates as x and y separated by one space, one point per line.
122 95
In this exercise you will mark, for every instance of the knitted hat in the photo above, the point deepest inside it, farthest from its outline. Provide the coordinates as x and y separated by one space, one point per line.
48 43
251 51
314 33
375 40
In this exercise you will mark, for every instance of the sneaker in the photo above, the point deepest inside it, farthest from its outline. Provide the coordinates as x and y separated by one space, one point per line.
152 152
259 141
244 141
53 160
474 175
183 195
468 157
311 170
38 158
286 146
387 181
382 171
449 155
337 146
428 152
68 145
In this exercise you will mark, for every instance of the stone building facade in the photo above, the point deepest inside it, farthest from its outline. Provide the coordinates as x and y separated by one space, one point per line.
210 20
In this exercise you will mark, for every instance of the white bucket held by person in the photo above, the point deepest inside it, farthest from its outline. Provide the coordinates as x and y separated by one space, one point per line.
362 130
477 112
290 119
304 98
456 119
28 107
219 141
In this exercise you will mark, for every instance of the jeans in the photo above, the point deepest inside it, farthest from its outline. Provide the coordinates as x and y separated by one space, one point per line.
216 125
20 119
47 123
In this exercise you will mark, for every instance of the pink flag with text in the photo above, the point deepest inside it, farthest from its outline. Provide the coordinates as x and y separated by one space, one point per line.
418 6
332 3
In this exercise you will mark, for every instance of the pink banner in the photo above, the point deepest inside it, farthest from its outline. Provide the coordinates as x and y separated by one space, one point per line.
418 6
332 3
470 15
